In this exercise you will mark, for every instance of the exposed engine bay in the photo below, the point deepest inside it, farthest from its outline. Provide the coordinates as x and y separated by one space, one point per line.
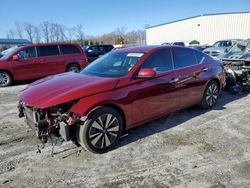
237 65
55 123
238 72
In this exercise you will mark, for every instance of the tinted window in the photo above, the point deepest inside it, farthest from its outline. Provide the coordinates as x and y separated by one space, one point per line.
106 48
184 57
160 61
70 49
93 48
27 53
199 56
48 50
179 43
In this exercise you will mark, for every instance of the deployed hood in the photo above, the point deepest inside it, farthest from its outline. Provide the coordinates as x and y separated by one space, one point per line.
64 88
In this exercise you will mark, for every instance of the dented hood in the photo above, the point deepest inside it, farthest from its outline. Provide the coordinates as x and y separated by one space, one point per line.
64 88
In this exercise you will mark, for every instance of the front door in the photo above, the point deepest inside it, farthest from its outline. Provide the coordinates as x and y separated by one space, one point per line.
27 67
156 96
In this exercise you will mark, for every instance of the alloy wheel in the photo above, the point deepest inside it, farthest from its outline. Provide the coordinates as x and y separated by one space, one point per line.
212 94
104 131
4 79
74 69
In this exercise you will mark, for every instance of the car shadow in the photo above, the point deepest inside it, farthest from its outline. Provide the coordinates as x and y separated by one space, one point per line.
24 82
173 120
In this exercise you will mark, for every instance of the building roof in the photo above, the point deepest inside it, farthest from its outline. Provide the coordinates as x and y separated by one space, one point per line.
215 14
14 41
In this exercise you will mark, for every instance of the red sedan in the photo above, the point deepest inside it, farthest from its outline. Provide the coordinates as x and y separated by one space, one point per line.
123 89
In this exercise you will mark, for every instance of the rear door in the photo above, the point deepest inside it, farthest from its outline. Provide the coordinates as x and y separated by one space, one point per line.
50 60
71 54
191 76
27 67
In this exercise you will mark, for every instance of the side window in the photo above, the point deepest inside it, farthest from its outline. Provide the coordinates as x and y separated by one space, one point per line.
48 50
160 61
199 56
93 48
102 48
69 49
179 43
27 53
184 57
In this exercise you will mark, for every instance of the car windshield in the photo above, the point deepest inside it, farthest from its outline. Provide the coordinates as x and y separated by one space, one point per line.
239 49
8 52
113 64
222 44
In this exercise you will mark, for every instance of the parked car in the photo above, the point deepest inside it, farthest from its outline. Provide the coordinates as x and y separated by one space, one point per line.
182 43
39 60
237 64
219 48
121 90
95 51
200 47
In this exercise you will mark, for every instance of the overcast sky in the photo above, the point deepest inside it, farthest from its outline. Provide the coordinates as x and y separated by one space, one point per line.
102 16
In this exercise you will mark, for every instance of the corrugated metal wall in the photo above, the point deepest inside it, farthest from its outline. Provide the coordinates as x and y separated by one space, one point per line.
206 29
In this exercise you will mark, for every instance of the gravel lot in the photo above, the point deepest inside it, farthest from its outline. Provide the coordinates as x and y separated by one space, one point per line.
191 148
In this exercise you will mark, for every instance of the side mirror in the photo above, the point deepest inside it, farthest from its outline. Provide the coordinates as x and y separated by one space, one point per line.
146 73
15 57
90 50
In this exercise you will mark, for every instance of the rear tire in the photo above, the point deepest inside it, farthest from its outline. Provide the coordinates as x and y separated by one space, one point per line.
101 130
210 95
5 79
73 68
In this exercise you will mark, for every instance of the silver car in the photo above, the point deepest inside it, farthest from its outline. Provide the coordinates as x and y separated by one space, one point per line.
219 48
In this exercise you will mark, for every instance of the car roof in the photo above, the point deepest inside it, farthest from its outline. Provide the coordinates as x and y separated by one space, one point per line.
46 44
142 48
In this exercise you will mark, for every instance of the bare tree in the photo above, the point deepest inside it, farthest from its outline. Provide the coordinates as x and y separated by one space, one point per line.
10 34
19 30
80 34
29 29
70 32
62 30
37 34
45 30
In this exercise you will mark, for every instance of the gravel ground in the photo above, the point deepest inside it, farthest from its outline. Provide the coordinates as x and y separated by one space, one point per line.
191 148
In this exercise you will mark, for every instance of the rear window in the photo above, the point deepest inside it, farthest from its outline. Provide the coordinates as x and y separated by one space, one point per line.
199 56
184 57
106 48
70 49
48 50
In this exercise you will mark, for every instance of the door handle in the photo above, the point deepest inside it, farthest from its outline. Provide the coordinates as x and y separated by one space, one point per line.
174 80
204 69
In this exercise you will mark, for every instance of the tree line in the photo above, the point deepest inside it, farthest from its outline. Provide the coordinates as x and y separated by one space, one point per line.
49 31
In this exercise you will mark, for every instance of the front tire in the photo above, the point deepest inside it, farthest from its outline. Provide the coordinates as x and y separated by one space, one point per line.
210 95
5 79
101 130
73 68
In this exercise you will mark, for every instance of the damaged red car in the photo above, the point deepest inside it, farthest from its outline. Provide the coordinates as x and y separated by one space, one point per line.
123 89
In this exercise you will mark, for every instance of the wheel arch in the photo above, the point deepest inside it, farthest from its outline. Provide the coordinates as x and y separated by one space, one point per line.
217 80
115 107
8 71
73 63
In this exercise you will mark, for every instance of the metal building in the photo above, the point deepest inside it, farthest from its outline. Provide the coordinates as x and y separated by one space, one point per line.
206 29
14 41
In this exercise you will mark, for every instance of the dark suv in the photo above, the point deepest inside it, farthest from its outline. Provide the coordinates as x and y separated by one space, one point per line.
94 51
